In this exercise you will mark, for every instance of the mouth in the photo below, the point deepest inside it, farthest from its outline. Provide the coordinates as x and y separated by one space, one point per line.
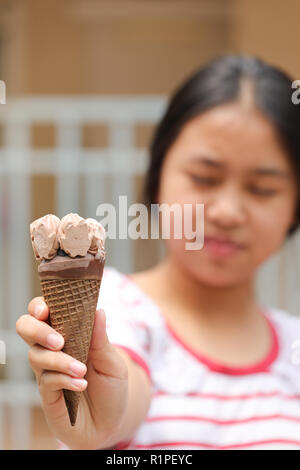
222 246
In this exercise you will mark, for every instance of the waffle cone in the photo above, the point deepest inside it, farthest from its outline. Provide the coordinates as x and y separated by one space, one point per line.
72 304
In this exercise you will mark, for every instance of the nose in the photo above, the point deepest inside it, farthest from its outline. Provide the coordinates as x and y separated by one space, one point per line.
226 209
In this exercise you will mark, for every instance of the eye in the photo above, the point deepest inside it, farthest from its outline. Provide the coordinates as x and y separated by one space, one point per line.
263 191
203 180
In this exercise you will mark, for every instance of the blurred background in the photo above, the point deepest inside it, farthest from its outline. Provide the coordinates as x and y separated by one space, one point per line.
86 82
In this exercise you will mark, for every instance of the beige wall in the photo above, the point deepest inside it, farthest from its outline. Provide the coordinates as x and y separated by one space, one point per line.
136 46
268 28
110 46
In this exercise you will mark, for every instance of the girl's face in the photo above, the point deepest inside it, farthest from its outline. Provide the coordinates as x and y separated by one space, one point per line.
231 160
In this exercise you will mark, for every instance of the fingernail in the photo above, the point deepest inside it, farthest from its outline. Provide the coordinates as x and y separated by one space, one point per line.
78 383
54 341
38 310
77 368
102 313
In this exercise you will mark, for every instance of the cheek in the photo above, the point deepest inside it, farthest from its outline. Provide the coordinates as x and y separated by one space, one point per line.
269 226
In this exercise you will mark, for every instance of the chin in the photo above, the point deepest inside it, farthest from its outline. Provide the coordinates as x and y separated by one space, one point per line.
212 278
218 281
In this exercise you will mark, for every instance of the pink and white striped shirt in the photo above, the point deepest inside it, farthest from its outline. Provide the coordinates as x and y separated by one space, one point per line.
198 403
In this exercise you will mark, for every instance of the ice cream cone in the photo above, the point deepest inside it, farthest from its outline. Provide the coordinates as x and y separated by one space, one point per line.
72 304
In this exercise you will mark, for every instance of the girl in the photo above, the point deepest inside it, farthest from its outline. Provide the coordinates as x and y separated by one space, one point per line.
187 357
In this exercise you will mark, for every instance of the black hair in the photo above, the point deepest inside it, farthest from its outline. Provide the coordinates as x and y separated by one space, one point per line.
218 83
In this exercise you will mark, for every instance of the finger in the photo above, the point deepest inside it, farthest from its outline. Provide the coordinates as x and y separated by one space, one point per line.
38 308
103 355
99 338
52 383
34 331
43 359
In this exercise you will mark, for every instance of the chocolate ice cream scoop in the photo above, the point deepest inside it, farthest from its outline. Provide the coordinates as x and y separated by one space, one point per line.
43 232
73 235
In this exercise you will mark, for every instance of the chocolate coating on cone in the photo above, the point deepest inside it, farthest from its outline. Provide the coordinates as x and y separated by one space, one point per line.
65 267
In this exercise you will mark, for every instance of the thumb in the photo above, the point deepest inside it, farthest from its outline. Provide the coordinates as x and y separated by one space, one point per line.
103 356
99 337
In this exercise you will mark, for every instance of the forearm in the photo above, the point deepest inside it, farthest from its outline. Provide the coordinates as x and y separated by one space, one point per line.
139 398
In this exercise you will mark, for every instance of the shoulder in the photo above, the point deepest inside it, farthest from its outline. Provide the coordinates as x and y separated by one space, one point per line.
287 329
286 324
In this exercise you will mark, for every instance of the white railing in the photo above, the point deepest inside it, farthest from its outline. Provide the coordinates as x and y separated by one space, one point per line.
68 161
